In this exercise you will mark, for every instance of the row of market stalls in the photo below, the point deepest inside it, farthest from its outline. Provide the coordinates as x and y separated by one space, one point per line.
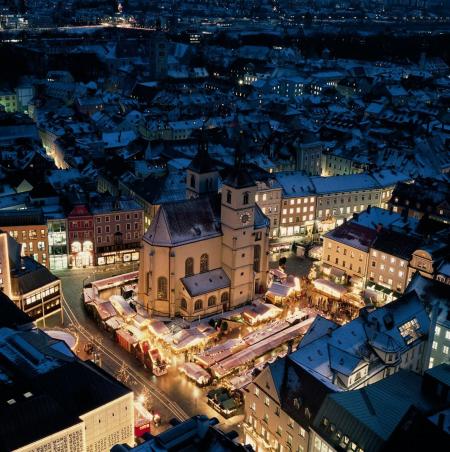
242 354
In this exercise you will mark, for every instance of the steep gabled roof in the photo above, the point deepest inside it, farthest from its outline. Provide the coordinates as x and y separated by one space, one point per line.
178 223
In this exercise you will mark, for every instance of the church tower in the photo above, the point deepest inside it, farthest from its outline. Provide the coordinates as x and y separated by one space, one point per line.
238 240
202 175
158 54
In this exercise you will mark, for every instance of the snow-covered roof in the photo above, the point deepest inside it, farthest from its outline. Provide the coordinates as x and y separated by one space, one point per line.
206 282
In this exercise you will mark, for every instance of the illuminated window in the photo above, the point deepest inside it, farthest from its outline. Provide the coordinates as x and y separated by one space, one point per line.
162 288
204 263
189 266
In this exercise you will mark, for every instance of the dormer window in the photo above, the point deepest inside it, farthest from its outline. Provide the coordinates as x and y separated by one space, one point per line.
245 198
228 196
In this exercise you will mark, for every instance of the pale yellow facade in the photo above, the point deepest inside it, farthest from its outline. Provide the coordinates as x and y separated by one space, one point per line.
235 255
71 439
266 425
98 431
346 258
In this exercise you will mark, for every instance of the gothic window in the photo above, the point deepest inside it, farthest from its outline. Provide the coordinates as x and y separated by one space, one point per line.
211 301
198 305
189 266
256 258
192 181
228 196
183 304
224 297
245 198
162 288
204 263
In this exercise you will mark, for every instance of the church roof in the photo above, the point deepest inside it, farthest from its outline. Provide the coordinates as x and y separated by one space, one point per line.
178 223
202 283
202 162
239 177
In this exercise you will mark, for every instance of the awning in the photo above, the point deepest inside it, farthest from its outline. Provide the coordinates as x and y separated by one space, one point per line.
337 272
279 290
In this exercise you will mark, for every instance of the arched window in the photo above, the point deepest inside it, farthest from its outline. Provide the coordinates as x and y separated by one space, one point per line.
256 258
162 288
228 196
198 305
212 301
192 181
183 304
189 266
204 263
224 297
245 198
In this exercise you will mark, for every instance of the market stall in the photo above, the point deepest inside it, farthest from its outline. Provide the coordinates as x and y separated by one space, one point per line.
195 373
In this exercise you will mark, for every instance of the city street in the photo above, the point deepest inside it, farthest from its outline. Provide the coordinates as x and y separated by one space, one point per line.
170 395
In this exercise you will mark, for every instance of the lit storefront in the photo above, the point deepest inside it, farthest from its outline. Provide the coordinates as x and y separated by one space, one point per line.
116 257
57 243
82 254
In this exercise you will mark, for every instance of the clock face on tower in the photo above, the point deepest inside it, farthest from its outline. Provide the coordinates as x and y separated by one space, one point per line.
245 217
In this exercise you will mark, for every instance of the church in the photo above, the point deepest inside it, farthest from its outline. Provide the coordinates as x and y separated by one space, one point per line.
209 253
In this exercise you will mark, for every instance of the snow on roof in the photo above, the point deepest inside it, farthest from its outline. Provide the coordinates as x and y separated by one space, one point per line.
354 235
202 283
295 183
377 216
358 337
388 177
118 139
337 184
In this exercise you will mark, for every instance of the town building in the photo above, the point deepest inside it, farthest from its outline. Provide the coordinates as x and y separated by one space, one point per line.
425 196
298 204
118 229
367 419
198 433
381 250
8 100
209 253
436 294
268 197
282 402
80 227
92 413
29 284
29 228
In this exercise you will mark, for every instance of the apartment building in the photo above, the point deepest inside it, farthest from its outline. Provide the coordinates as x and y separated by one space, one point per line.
360 420
81 237
29 228
268 197
91 413
268 424
118 230
437 295
309 158
382 250
338 197
425 196
298 206
282 403
30 285
390 255
8 100
346 248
